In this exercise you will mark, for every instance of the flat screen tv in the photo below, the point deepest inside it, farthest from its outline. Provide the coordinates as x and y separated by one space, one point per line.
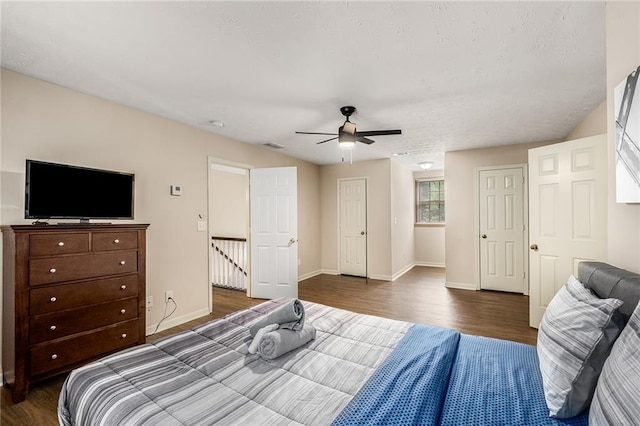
63 191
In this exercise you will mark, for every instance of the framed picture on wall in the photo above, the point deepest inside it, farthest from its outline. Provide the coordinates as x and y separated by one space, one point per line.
627 114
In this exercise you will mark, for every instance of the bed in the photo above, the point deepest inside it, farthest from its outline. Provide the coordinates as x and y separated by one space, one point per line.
359 369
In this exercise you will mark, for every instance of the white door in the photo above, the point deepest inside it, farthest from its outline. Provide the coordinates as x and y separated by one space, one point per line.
502 230
568 214
353 227
274 228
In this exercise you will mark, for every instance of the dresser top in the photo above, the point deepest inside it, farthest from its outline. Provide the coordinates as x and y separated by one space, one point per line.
73 227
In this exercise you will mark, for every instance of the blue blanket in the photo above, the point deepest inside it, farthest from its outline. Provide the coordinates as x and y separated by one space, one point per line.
410 385
497 382
437 376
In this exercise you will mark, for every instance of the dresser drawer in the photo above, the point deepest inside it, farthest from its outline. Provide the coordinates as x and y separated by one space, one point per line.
68 296
61 324
106 241
58 354
59 243
66 268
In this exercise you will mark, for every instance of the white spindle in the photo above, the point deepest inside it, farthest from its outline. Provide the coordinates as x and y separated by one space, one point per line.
229 263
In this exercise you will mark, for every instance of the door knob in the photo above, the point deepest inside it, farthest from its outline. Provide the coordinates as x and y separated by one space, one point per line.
534 247
292 241
361 232
484 235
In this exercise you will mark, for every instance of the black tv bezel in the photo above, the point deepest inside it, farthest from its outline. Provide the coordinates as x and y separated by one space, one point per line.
83 219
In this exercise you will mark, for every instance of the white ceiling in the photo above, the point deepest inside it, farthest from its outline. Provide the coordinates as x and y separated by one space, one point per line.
451 75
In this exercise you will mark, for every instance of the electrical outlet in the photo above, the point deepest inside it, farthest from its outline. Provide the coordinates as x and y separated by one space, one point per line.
149 302
168 295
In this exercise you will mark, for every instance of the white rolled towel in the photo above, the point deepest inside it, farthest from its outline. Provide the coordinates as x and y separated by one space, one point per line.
278 342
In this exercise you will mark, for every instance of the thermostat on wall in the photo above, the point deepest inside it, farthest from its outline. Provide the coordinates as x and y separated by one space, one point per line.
176 190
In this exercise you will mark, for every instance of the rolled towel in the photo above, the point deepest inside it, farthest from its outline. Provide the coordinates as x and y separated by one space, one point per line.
253 347
276 343
289 316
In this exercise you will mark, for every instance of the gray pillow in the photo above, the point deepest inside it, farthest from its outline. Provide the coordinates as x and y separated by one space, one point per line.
574 339
617 397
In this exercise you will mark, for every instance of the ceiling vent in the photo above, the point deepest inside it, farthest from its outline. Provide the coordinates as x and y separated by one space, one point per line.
273 145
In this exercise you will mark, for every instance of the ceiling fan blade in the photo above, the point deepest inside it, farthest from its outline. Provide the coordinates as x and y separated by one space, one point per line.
314 133
364 140
327 140
379 132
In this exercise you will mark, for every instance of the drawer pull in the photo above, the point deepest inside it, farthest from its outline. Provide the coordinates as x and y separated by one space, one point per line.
54 356
124 335
53 299
122 262
61 244
52 270
122 311
53 328
123 287
116 241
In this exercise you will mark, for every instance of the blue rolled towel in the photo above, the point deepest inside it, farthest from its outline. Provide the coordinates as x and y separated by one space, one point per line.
289 316
278 342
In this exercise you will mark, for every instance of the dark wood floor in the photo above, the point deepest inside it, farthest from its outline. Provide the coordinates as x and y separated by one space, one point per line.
418 296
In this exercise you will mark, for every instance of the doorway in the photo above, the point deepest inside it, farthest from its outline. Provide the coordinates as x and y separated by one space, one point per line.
352 226
256 206
502 225
228 225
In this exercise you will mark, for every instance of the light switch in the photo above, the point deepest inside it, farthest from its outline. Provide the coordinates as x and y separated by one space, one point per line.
202 225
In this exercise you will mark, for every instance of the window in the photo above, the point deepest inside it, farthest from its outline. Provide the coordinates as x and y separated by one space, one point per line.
430 201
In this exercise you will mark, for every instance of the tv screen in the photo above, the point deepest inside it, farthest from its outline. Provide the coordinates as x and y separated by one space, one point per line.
62 191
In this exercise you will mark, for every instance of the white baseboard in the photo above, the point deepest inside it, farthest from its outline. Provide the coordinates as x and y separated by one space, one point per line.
309 275
329 271
461 286
431 264
380 277
403 271
172 322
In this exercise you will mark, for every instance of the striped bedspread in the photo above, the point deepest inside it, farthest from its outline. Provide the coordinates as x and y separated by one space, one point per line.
360 370
206 376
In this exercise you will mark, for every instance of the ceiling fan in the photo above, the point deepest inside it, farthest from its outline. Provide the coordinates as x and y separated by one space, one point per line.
347 135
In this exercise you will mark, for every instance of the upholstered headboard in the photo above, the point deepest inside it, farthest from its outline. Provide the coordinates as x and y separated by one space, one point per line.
608 281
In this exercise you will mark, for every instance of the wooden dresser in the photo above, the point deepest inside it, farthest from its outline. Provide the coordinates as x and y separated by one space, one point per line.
72 293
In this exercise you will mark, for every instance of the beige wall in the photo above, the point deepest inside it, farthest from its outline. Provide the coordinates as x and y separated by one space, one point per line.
594 124
429 239
378 175
402 219
460 206
228 204
48 122
623 56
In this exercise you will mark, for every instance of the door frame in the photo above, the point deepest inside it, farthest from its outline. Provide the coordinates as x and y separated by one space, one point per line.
525 220
366 209
222 162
